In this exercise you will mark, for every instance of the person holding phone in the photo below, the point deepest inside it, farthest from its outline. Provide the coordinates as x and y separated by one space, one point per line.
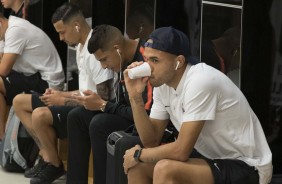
30 61
45 117
89 126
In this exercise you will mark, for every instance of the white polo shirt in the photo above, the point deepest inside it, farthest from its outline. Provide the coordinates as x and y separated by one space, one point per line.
90 69
231 130
36 52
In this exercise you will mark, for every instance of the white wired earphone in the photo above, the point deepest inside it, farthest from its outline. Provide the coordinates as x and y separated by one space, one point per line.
119 62
177 65
118 52
77 29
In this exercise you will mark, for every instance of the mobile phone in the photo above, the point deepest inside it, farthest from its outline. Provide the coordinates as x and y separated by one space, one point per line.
36 93
81 93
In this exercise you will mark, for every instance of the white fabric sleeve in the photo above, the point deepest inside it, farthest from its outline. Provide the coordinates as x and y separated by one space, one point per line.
200 99
15 40
99 75
158 110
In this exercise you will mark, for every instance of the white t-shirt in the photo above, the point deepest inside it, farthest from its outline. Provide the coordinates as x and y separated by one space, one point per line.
231 130
36 52
90 70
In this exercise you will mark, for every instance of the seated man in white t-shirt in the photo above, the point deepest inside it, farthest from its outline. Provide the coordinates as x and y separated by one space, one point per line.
209 111
46 116
30 61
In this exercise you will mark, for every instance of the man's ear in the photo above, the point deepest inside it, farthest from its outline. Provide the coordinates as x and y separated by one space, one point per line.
180 60
116 47
177 65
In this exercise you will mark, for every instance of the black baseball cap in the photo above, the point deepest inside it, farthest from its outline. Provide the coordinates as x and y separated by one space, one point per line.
171 40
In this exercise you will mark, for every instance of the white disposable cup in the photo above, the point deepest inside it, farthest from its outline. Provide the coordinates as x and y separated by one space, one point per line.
143 70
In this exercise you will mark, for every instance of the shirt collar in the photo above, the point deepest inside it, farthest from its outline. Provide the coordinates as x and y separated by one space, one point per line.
86 42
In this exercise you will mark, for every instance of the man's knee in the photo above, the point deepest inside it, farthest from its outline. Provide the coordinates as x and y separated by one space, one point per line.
108 123
2 86
98 122
20 102
41 117
75 114
17 101
73 118
164 171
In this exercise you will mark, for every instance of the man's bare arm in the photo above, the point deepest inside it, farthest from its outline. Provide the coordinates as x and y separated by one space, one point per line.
7 62
71 102
180 149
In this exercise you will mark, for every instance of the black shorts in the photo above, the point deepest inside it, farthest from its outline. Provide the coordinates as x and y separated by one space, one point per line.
16 83
226 171
59 114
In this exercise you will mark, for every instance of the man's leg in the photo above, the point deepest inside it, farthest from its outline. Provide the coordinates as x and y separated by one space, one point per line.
205 171
101 126
23 105
141 173
79 145
42 121
3 109
16 83
196 171
50 123
23 108
3 112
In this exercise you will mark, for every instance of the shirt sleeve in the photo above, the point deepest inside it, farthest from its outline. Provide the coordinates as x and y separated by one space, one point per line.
159 109
99 75
15 40
200 99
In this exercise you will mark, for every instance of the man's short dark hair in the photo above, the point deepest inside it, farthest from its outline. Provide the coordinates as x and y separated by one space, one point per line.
66 12
103 37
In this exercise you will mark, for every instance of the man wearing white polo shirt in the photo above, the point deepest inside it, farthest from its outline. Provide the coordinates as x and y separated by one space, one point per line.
30 61
210 113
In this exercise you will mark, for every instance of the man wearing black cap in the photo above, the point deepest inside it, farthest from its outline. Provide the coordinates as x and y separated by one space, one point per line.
210 113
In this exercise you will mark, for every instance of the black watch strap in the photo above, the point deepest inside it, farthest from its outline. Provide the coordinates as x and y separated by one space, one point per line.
137 155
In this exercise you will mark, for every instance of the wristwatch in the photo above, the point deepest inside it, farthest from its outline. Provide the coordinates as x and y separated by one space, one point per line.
102 107
137 155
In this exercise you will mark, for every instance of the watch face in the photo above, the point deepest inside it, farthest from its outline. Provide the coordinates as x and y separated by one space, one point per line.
136 155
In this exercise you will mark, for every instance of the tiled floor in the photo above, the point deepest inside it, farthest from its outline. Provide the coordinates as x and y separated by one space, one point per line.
12 178
18 178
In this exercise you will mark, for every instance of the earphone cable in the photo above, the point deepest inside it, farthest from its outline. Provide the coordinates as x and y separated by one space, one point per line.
119 80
